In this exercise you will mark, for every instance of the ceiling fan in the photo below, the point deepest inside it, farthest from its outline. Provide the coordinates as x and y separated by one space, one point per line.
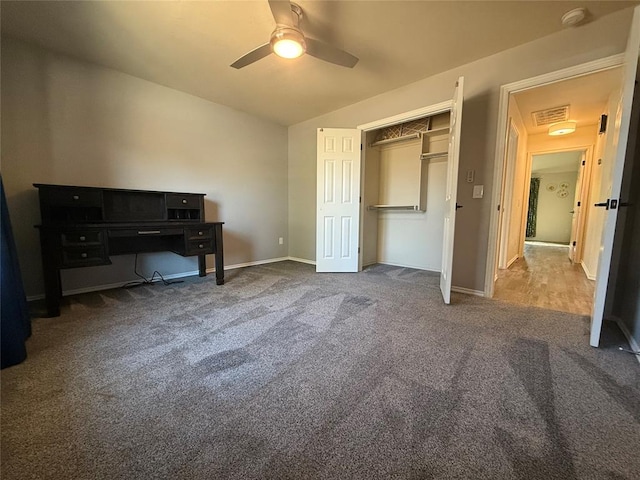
288 41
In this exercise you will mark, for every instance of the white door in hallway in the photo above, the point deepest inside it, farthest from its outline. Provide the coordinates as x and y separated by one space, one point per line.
451 190
576 214
624 135
338 200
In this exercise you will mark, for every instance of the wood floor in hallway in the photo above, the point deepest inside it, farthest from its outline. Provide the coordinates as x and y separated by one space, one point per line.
546 278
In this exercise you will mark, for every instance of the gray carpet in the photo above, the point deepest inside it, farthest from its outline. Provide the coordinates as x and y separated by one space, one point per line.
283 373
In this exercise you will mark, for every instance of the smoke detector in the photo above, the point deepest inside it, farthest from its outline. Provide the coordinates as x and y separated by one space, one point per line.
574 17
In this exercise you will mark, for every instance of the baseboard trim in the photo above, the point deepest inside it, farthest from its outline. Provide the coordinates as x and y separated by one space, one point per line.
109 286
587 272
250 264
510 262
301 260
407 266
468 291
97 288
632 341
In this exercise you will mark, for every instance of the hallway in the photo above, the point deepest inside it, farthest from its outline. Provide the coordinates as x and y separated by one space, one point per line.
546 278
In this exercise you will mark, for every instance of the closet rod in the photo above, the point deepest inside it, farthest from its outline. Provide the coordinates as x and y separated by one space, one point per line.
413 208
428 156
396 139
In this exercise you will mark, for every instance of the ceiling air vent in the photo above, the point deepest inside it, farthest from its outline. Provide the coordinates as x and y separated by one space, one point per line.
551 115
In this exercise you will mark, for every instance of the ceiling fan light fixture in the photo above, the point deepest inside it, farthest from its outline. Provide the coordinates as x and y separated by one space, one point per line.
287 42
562 128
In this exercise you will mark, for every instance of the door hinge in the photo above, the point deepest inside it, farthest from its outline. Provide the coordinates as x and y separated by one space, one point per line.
498 207
360 147
574 243
578 204
359 199
358 249
583 162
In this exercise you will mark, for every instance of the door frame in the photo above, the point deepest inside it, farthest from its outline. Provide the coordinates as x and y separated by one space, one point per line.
506 90
427 111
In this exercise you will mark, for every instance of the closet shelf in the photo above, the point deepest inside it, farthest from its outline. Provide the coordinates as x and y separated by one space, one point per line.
413 208
427 156
396 139
436 131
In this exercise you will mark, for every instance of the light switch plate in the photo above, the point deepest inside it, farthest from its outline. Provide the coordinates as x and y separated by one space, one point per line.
478 191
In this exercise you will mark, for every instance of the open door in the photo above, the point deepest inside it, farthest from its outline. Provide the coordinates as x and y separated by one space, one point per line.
451 191
576 214
612 175
506 212
338 200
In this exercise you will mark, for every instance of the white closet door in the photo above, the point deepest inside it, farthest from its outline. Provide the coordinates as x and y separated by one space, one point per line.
451 191
612 177
338 200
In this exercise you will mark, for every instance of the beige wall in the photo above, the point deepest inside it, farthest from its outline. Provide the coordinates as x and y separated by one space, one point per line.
68 122
583 137
483 79
554 218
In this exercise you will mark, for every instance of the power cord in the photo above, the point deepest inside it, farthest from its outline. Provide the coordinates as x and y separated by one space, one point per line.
628 351
147 281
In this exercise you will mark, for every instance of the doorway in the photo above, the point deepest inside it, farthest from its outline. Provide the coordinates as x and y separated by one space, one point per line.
548 273
544 228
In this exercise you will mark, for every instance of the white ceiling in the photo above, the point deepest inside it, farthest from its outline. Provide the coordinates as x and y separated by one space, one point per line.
586 96
189 45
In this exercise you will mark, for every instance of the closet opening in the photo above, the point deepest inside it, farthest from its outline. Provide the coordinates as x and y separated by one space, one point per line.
403 193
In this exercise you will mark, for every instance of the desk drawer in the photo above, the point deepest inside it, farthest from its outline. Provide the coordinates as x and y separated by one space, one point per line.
84 257
177 200
69 197
199 247
202 233
146 232
82 238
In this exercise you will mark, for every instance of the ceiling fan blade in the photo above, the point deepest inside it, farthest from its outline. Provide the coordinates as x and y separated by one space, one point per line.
253 56
330 54
281 10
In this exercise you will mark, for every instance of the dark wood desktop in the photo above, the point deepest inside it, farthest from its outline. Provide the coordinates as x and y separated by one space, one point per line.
84 226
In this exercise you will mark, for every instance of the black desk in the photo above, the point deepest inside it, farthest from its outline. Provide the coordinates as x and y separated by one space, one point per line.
84 226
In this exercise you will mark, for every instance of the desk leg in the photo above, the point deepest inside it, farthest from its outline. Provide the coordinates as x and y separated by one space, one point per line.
202 265
52 292
51 273
219 255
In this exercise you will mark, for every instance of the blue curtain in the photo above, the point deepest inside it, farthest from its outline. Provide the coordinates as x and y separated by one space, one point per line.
532 215
14 322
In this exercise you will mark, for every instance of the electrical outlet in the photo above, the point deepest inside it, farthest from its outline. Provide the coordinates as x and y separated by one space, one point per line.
280 241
